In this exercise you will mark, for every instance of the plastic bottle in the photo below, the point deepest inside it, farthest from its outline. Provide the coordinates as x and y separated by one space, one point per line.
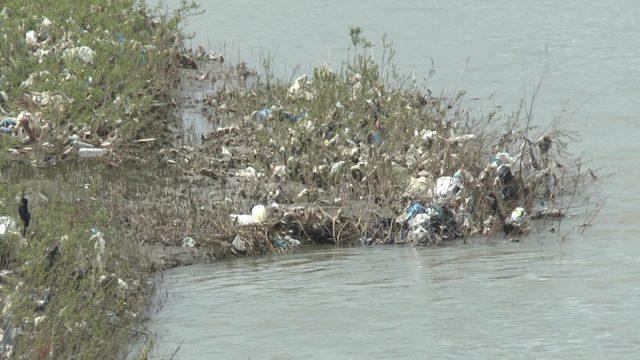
86 152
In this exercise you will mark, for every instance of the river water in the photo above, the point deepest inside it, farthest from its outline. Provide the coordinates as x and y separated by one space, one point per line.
540 298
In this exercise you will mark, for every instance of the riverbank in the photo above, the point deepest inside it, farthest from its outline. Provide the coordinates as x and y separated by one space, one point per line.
359 156
87 95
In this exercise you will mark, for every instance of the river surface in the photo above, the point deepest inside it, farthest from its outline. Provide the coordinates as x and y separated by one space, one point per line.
540 298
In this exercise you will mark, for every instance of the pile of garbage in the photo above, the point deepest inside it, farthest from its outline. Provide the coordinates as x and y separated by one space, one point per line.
402 166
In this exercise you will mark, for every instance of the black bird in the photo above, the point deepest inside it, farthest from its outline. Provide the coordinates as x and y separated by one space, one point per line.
24 215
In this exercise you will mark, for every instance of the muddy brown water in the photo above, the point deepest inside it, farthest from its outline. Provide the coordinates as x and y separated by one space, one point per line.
540 298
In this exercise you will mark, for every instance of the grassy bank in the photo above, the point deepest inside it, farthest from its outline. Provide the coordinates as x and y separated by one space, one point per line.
65 296
100 73
103 71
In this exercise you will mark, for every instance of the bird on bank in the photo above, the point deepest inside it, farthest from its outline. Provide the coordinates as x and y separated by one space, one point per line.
25 216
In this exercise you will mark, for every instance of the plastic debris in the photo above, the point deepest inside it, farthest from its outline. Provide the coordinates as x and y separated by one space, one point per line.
443 221
463 138
112 317
10 336
262 115
356 171
280 243
41 303
419 219
517 223
7 125
248 174
500 159
46 24
507 182
420 229
413 210
425 222
295 118
33 77
241 219
517 215
544 143
38 320
293 242
239 244
188 242
216 57
448 186
337 168
7 225
26 127
88 152
376 137
428 136
258 215
338 111
298 90
98 246
83 53
285 242
279 113
81 145
547 213
40 54
344 170
44 98
280 171
122 285
366 241
31 38
332 140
